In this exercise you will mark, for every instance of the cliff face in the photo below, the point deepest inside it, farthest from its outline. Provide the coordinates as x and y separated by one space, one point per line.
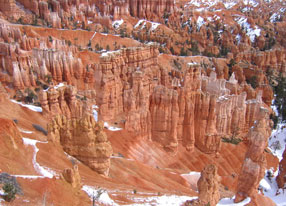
167 106
254 164
84 139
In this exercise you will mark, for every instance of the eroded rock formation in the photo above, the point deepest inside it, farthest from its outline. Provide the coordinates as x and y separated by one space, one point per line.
281 178
84 139
254 164
208 187
63 100
170 106
72 176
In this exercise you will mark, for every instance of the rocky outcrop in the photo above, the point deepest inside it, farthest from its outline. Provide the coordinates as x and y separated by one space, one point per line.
254 164
208 187
63 100
71 176
10 136
84 139
281 178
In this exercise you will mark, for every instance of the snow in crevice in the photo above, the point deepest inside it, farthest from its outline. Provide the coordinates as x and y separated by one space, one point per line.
44 171
31 107
142 23
94 112
251 32
200 22
116 24
111 128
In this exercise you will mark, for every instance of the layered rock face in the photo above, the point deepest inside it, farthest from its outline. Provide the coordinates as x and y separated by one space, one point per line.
32 59
208 186
184 106
63 101
281 178
84 139
254 164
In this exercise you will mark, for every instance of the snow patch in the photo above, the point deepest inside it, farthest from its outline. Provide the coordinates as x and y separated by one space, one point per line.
103 197
277 141
230 202
251 32
229 5
94 112
31 107
25 131
111 128
200 22
270 188
116 24
44 171
143 23
170 200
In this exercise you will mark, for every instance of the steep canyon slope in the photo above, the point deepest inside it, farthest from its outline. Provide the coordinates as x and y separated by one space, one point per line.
97 92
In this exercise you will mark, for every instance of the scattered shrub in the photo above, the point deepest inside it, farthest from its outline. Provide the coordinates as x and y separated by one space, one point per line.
10 192
40 129
232 140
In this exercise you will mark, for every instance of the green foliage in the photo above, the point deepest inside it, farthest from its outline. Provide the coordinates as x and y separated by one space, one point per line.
183 52
280 99
134 191
40 129
20 20
195 48
107 47
274 118
10 192
50 39
232 140
172 50
224 51
177 64
252 81
48 78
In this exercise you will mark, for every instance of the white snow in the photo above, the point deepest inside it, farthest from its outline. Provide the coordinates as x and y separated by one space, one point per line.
31 107
251 2
277 141
200 22
59 85
29 176
94 112
111 128
103 198
116 24
25 131
45 172
270 189
274 17
143 23
170 200
229 5
229 202
251 32
2 192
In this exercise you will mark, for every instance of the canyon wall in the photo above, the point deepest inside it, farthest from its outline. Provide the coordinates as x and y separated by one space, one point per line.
170 106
